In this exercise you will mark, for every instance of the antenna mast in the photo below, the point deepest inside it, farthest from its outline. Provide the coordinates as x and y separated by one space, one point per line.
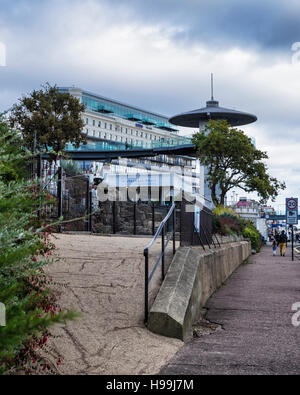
212 86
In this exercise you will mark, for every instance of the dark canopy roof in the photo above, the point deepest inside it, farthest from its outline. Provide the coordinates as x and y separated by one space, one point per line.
212 111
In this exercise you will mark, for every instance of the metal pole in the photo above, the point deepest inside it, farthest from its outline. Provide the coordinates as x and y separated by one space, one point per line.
134 218
292 242
153 220
59 195
91 210
203 230
39 173
146 254
114 217
163 253
88 203
174 230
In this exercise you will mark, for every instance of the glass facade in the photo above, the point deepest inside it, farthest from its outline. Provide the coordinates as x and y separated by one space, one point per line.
143 130
134 144
121 110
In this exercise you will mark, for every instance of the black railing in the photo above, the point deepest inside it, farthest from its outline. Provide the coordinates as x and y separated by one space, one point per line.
199 238
163 230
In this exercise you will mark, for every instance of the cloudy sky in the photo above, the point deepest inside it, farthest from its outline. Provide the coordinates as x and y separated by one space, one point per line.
158 54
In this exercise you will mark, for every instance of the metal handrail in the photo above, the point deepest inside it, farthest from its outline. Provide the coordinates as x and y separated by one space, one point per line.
205 235
217 239
160 227
160 230
199 237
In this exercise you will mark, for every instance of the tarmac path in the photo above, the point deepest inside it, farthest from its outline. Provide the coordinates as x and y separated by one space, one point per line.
254 311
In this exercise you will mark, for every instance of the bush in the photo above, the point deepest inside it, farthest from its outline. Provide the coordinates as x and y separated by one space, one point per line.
25 248
254 236
227 222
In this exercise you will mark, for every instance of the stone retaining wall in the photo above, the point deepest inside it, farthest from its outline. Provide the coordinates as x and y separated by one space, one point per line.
193 277
102 221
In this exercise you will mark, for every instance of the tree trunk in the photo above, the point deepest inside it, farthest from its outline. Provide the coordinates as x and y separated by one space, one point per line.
214 196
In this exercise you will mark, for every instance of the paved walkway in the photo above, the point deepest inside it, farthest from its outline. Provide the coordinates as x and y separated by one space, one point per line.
254 311
105 282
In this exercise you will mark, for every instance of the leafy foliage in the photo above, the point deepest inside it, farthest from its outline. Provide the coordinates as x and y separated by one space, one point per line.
70 167
48 118
25 248
233 161
227 222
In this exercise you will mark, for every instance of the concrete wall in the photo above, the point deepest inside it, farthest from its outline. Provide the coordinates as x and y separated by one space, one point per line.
193 277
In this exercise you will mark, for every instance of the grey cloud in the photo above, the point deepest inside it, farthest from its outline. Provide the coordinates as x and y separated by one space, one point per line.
268 24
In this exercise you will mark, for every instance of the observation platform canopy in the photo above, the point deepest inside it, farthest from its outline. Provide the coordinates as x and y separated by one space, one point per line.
196 118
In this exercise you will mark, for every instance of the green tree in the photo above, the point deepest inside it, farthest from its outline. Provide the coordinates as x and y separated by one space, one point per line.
25 248
233 161
48 118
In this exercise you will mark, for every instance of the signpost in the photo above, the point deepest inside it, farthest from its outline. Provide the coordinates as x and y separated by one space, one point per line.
291 206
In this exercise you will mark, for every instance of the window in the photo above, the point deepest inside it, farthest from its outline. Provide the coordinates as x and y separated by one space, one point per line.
99 124
105 125
126 130
94 133
94 122
110 126
137 133
131 132
86 121
86 131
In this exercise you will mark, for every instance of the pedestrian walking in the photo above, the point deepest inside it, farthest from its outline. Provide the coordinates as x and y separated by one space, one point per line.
282 243
274 247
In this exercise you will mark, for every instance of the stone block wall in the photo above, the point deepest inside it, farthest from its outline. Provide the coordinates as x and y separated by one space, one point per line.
194 275
102 221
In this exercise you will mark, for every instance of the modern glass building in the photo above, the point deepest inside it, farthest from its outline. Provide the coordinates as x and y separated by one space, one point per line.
111 125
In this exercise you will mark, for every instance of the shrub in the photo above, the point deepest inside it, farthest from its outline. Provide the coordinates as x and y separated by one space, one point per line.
254 236
25 248
227 222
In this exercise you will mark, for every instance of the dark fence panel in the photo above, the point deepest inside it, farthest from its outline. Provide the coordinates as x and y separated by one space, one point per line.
188 232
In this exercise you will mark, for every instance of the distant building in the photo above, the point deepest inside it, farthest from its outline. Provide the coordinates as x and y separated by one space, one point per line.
255 212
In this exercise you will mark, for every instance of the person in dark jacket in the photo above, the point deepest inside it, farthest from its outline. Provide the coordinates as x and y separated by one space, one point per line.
282 243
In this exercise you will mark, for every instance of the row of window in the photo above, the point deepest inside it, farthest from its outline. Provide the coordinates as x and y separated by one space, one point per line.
137 133
114 137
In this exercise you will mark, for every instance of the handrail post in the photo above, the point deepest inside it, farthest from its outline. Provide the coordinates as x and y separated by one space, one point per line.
114 217
153 220
60 196
205 236
217 240
174 230
134 218
146 254
163 254
91 211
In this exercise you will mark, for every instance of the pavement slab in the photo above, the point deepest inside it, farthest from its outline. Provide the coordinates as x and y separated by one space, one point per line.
254 310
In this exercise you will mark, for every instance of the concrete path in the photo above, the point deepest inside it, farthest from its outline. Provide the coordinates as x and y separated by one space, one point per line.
104 279
254 311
